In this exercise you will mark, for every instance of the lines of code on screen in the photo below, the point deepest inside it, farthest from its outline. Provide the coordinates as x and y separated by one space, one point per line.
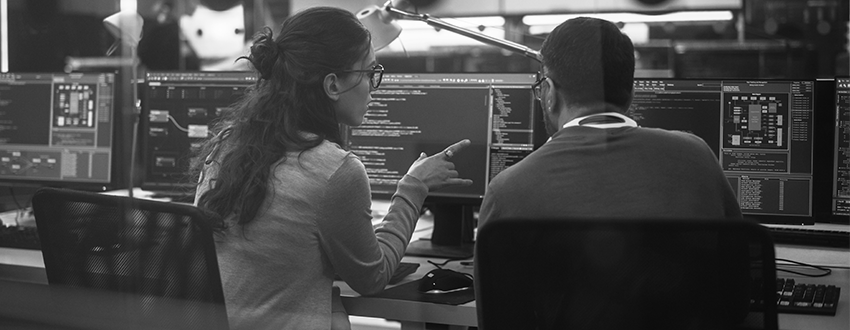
414 113
841 174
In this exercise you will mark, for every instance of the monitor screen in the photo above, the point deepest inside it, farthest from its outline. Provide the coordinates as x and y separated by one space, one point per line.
177 110
761 131
841 149
426 112
57 129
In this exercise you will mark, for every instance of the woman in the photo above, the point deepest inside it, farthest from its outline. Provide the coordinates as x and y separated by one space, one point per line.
294 207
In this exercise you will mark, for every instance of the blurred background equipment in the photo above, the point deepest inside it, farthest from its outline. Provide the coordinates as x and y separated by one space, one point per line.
215 33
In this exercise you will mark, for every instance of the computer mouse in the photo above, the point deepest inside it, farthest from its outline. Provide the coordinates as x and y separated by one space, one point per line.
445 281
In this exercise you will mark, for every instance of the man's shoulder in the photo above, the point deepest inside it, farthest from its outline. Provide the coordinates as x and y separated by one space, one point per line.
670 137
667 133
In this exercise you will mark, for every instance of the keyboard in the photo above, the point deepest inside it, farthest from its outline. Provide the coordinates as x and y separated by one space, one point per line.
402 270
802 298
810 237
19 237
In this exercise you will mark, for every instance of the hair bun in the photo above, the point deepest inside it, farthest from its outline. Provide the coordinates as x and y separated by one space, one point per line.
264 53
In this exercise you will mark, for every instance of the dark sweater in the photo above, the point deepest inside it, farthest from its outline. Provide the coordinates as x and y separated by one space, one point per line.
616 172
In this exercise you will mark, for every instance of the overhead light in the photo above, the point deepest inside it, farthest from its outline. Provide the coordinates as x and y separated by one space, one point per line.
128 5
426 38
4 35
423 37
682 16
383 22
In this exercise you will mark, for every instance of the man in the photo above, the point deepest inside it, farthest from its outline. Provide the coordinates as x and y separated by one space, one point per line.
598 162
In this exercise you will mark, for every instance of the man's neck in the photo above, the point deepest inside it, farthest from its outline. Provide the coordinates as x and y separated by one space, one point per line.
574 112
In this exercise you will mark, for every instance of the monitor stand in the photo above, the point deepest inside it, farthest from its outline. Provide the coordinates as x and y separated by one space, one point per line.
452 236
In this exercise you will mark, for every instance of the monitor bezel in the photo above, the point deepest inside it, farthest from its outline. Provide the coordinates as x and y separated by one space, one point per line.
454 215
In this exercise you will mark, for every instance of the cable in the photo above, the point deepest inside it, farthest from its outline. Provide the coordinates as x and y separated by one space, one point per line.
14 199
174 121
826 271
440 265
19 211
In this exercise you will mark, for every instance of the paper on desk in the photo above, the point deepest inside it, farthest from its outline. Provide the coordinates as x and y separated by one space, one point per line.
19 217
381 207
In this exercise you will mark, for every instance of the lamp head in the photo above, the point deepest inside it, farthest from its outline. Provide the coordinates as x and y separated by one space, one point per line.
381 24
380 21
126 26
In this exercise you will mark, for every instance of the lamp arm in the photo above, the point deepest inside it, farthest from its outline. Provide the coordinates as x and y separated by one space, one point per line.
438 23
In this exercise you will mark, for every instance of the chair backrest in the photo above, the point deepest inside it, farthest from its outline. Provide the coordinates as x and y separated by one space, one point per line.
148 250
624 274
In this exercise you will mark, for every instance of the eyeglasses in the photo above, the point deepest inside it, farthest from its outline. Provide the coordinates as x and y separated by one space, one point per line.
376 73
537 88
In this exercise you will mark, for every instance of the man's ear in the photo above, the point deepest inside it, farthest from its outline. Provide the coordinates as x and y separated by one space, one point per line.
331 86
551 97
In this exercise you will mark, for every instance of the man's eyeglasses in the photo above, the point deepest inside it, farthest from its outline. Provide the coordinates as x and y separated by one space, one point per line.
376 73
537 88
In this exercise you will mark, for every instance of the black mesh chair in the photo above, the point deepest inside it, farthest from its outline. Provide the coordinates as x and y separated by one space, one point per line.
157 255
624 274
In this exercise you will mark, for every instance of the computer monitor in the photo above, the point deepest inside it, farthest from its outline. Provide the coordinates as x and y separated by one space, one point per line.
841 150
760 130
58 129
426 112
177 111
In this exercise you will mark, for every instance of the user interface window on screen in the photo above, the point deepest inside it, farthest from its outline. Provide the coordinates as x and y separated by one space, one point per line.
427 112
178 109
56 127
841 173
761 132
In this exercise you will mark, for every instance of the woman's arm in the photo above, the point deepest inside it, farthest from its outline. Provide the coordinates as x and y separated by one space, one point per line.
366 257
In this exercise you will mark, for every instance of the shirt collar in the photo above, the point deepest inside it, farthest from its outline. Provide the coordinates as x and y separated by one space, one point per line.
603 120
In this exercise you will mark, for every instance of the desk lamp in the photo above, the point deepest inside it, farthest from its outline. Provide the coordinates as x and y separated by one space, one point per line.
126 26
380 21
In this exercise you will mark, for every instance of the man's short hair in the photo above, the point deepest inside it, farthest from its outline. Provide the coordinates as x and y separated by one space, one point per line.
591 62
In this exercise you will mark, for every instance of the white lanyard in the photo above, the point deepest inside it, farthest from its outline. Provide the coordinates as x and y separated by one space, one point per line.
603 120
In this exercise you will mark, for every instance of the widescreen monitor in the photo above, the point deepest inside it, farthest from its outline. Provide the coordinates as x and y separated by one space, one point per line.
177 111
426 112
760 130
58 129
841 151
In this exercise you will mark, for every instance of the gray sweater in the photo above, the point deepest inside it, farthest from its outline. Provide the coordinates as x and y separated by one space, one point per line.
616 172
278 271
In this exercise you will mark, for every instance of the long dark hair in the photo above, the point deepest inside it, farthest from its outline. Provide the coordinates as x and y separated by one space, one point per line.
287 101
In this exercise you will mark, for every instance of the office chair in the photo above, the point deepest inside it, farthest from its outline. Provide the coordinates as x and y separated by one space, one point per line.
624 274
159 256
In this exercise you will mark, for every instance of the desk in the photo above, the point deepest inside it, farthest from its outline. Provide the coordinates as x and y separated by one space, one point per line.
27 266
840 277
413 315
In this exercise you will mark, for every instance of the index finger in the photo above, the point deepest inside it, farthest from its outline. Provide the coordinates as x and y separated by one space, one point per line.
458 145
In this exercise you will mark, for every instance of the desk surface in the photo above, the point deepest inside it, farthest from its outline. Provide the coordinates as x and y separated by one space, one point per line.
28 266
411 311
